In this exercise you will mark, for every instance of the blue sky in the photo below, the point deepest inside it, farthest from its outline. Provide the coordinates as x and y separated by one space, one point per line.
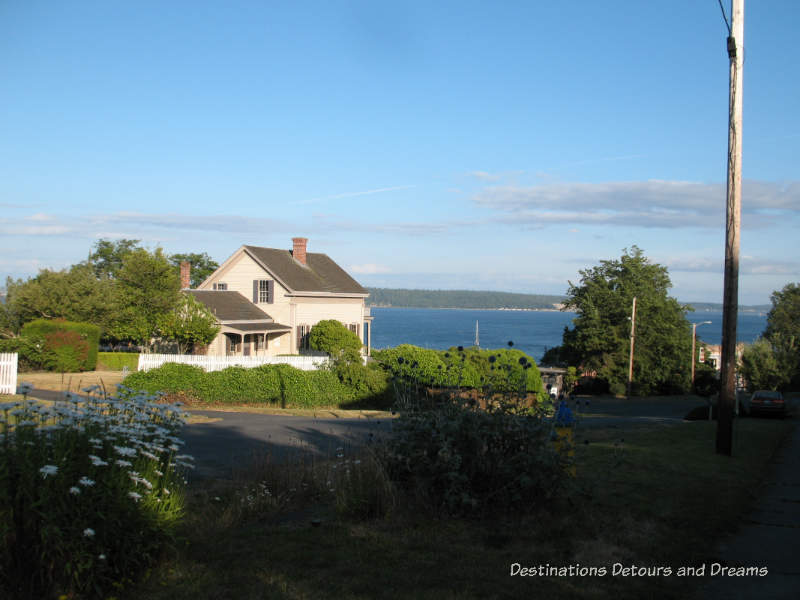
469 145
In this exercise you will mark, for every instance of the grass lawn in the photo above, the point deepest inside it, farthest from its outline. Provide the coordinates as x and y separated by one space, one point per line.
73 382
645 496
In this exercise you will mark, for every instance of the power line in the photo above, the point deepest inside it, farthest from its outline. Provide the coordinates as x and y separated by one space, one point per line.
725 17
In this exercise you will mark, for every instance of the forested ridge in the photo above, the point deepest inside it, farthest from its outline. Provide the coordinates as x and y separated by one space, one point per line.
408 298
460 299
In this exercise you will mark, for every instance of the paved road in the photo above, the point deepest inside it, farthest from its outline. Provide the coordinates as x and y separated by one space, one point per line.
236 439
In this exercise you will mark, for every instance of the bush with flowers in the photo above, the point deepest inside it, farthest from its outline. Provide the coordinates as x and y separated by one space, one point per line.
90 489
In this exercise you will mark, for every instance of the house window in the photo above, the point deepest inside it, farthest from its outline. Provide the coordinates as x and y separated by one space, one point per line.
220 286
263 291
302 337
355 329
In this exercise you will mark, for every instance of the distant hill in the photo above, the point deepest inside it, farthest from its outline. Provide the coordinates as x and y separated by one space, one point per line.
715 307
460 299
406 298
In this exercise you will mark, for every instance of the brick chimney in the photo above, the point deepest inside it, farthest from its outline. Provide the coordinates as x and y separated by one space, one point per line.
186 275
299 250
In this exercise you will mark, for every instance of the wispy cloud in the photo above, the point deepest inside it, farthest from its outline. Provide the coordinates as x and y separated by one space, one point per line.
748 265
214 223
370 269
652 203
354 194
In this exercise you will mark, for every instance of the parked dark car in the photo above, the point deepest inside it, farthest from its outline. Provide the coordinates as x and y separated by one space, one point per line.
767 402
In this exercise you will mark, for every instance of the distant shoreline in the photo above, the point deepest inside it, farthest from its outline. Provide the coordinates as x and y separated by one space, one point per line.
470 308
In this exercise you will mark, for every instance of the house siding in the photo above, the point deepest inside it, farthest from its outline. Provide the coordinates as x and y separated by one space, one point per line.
240 272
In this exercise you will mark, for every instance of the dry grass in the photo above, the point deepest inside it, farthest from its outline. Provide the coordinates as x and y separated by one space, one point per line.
73 382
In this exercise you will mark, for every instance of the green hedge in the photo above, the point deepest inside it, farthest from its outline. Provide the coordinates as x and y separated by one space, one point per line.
57 352
281 385
115 361
503 370
30 352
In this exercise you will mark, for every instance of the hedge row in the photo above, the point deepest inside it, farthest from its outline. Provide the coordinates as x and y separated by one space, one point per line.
503 370
281 385
116 361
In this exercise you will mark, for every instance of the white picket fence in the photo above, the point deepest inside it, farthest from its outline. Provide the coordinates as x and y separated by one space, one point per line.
217 363
8 373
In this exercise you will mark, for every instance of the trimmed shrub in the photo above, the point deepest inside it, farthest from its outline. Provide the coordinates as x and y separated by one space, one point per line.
116 361
41 328
65 351
334 338
281 385
30 351
369 384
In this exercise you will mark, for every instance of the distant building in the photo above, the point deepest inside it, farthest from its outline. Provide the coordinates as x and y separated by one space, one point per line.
266 300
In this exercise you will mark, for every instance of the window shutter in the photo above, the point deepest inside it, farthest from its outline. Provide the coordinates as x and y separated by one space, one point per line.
271 291
255 291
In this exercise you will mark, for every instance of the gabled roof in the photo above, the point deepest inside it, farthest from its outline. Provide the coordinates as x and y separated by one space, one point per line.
229 305
320 274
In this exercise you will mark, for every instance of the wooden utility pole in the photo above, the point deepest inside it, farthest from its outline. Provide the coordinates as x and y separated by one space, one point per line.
730 301
633 335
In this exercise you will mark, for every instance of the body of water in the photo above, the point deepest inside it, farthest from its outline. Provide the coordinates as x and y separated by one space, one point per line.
531 331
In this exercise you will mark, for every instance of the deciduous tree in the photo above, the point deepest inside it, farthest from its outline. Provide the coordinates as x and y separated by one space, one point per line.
202 266
190 324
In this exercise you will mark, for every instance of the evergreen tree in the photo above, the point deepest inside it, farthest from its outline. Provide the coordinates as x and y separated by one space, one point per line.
600 337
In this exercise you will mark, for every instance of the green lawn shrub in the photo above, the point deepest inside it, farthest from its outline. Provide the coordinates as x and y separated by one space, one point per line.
29 349
501 371
281 385
369 384
55 353
116 361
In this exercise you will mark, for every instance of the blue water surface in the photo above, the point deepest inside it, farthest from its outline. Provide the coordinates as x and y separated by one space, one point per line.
531 331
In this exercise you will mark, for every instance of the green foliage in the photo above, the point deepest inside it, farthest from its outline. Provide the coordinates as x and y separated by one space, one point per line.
108 256
65 351
459 299
501 371
783 334
29 349
74 294
337 340
412 362
116 361
202 266
760 367
56 352
600 337
74 520
460 460
190 324
369 384
706 380
148 288
281 385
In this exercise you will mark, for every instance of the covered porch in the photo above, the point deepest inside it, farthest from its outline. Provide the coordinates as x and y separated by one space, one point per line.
255 338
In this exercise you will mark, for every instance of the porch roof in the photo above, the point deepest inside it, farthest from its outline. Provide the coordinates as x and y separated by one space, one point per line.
255 327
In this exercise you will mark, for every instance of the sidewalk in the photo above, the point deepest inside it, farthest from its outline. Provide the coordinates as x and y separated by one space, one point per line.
768 537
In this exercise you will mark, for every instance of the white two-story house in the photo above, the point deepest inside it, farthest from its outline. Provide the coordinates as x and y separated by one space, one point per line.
266 300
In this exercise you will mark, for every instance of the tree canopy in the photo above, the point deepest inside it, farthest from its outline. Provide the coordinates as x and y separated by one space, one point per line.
331 336
600 337
774 361
190 324
202 266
